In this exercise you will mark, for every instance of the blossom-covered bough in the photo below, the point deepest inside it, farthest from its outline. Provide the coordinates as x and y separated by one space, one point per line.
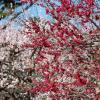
64 61
66 53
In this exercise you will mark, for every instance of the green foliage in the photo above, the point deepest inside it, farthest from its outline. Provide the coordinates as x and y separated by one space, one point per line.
3 14
7 8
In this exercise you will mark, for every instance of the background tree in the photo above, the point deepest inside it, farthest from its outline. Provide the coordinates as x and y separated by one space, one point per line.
15 63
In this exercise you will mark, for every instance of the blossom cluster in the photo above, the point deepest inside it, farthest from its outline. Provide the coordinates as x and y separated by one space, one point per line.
66 57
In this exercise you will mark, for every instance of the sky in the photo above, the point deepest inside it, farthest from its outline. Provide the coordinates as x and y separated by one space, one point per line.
35 10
